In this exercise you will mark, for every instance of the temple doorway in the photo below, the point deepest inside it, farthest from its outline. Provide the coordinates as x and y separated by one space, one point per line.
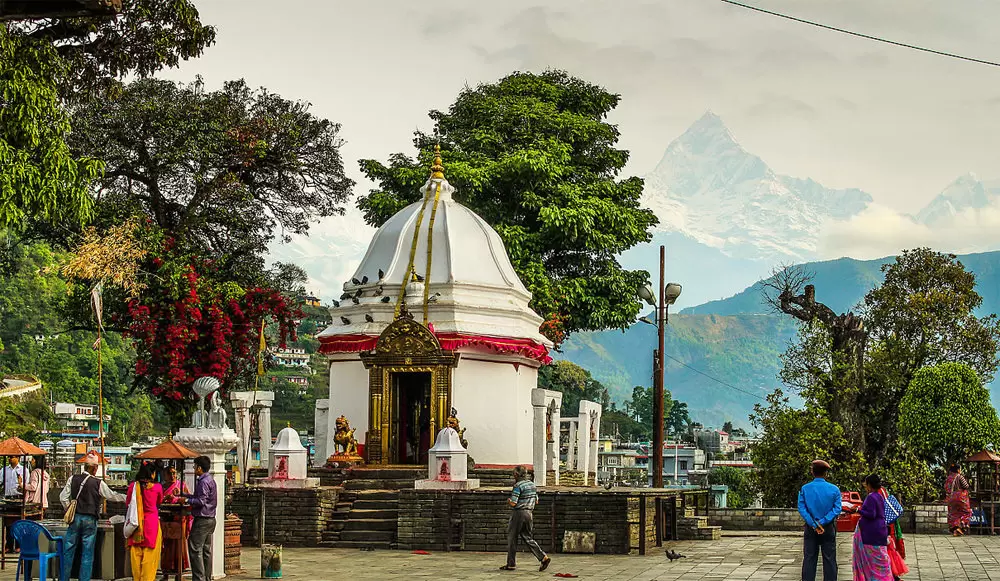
411 414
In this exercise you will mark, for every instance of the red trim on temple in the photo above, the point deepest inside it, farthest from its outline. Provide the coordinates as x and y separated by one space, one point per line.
449 341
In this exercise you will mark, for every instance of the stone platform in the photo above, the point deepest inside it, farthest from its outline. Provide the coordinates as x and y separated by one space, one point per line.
756 557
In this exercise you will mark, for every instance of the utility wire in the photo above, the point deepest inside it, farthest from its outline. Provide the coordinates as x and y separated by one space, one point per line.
715 379
860 35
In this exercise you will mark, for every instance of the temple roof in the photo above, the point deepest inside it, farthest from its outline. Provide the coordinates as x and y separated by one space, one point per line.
447 266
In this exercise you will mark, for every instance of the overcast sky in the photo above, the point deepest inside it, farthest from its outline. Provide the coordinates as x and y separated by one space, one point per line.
812 103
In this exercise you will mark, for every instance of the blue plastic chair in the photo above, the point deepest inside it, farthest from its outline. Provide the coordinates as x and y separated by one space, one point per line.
26 533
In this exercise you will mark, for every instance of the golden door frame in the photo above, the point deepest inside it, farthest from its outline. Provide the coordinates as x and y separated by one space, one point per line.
405 346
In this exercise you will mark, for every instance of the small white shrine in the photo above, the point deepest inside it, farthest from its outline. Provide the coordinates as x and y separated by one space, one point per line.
288 463
434 319
447 467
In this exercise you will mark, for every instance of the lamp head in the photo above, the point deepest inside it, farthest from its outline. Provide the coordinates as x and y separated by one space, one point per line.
671 292
646 293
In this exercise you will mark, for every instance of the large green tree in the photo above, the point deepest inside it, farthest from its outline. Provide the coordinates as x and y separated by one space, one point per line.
923 314
534 155
219 171
791 439
40 178
946 414
741 493
575 383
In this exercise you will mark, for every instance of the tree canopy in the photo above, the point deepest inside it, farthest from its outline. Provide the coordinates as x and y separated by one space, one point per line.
534 156
40 178
857 370
946 414
575 383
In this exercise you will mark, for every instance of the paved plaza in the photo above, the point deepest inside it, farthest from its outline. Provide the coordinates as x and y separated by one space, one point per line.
744 558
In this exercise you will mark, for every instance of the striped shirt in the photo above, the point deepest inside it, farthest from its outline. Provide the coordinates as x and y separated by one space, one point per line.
524 495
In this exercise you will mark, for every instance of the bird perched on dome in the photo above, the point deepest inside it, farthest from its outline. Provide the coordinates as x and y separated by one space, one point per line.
345 320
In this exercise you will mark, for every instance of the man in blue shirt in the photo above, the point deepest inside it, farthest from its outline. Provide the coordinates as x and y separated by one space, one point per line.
820 504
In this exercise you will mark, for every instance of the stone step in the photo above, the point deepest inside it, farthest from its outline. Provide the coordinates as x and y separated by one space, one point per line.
370 524
375 505
378 545
377 495
414 473
368 536
335 527
375 513
379 484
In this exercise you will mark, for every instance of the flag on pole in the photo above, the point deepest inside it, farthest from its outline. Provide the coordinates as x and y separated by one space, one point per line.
97 303
260 352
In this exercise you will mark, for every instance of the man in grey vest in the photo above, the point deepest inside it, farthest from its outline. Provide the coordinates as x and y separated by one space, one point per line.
87 490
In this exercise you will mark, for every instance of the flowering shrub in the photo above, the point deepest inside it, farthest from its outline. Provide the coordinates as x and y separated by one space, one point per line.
188 325
554 328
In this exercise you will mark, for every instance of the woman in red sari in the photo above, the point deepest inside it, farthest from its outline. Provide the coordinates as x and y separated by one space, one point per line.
897 562
174 488
145 543
956 490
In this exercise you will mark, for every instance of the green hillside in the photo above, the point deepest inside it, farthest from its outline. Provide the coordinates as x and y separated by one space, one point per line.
737 340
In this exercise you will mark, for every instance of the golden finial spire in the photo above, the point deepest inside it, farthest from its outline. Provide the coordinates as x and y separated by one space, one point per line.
437 170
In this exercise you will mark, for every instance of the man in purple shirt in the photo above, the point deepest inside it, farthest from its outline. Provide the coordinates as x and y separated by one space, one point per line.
203 503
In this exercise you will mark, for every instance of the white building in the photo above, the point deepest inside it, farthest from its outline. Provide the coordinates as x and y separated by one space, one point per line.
689 460
462 336
292 357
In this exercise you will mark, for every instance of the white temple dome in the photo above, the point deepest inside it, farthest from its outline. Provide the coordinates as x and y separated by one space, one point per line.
471 288
288 441
466 250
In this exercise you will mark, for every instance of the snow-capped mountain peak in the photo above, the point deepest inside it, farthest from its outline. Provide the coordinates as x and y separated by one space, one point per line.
708 187
967 192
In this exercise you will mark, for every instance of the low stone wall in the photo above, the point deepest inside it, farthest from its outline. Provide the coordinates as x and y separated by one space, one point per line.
755 519
927 519
924 519
477 520
296 517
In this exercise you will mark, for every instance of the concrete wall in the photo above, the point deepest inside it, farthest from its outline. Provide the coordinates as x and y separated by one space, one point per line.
493 399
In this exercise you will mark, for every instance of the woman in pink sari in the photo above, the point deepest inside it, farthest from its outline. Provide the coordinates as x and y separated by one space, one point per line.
146 541
897 559
172 533
956 490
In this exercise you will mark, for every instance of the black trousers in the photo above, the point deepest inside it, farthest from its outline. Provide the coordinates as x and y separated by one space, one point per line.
519 527
811 546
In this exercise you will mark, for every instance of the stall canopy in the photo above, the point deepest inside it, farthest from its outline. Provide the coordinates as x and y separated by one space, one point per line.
984 456
168 450
17 447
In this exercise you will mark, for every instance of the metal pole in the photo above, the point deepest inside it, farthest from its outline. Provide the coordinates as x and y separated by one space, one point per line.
658 382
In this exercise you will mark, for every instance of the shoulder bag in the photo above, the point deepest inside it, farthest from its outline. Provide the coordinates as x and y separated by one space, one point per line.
71 509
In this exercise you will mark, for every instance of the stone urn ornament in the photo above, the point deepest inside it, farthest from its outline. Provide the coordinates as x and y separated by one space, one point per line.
203 387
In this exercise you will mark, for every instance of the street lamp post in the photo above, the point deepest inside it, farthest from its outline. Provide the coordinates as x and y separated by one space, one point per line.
668 294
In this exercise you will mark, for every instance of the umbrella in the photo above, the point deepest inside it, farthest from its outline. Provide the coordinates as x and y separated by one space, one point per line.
168 450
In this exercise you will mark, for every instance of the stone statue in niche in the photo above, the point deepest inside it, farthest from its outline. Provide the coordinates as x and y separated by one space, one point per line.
456 425
344 440
216 414
204 387
550 411
593 425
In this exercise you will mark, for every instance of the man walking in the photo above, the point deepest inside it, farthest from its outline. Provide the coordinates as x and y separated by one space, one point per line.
203 503
522 500
87 490
820 504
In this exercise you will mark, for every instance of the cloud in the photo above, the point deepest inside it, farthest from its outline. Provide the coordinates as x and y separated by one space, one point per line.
880 231
779 107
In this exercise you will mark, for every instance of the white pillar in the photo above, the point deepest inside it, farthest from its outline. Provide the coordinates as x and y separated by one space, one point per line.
214 443
571 462
242 409
583 443
556 436
321 428
264 429
539 441
254 400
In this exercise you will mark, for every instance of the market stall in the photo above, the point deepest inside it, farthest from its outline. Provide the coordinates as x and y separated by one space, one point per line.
174 517
13 510
984 482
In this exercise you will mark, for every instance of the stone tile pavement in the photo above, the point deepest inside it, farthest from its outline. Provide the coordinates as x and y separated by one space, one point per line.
756 557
